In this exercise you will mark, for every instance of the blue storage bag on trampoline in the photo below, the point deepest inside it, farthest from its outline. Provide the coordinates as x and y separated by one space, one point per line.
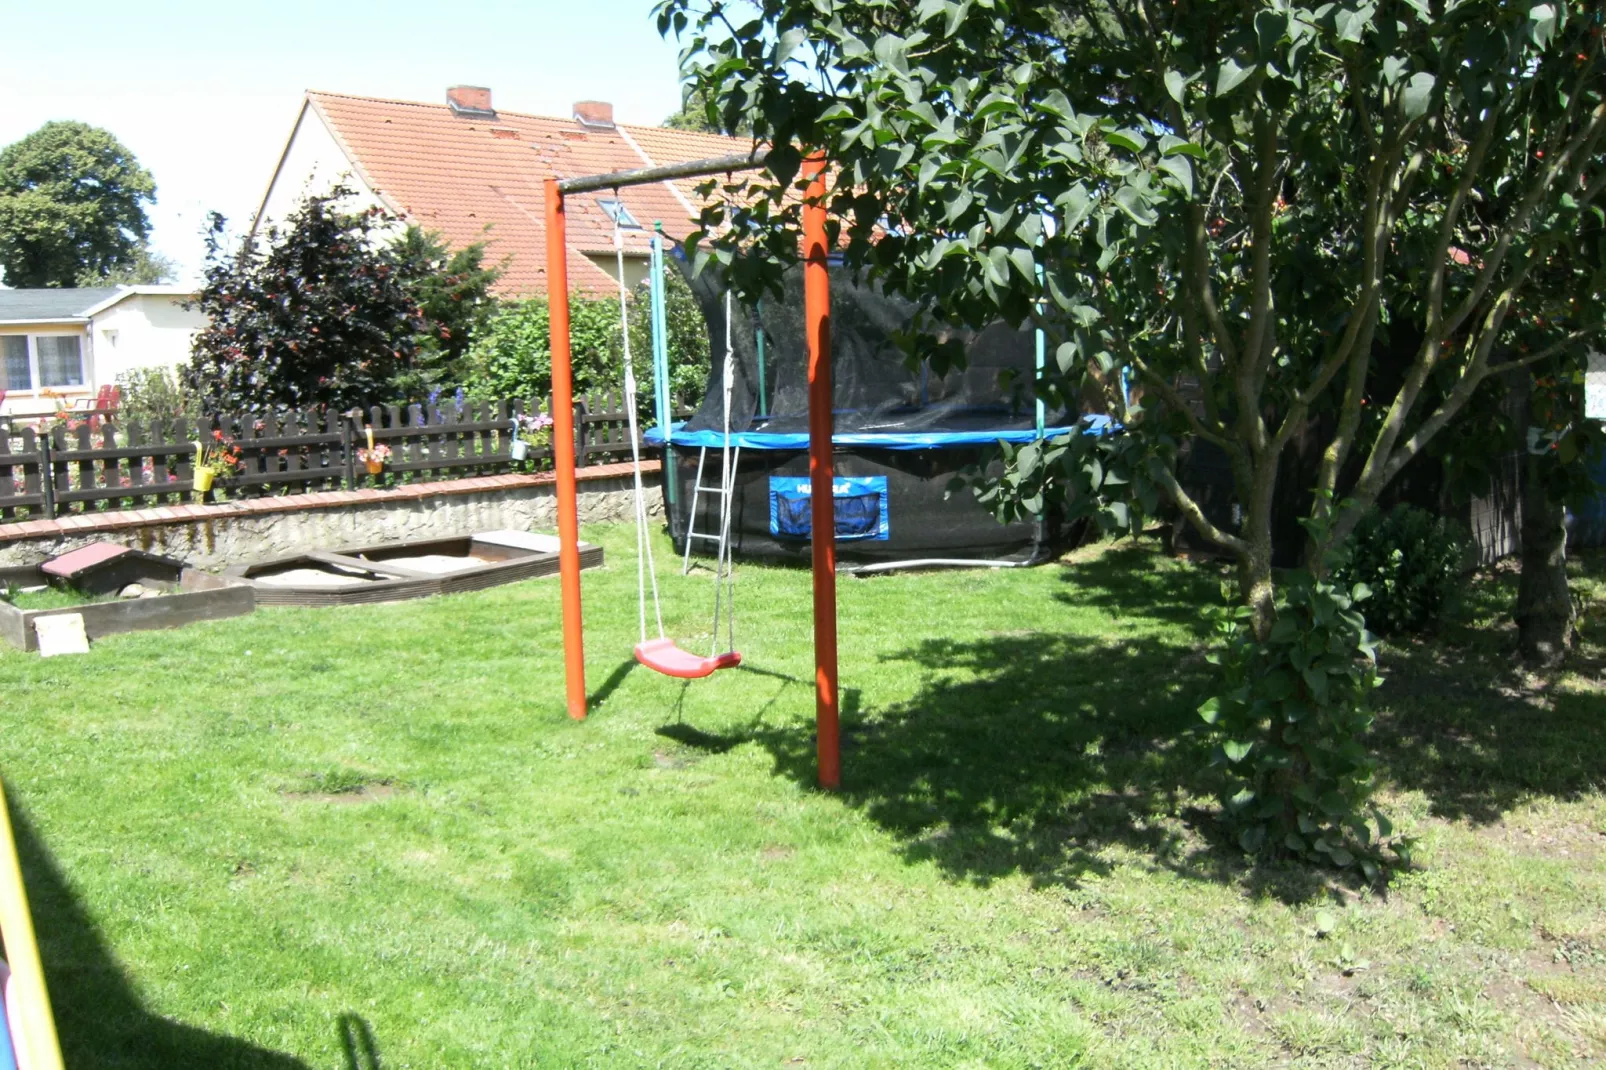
859 503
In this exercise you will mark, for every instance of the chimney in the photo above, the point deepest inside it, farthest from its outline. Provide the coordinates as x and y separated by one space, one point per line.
470 101
594 114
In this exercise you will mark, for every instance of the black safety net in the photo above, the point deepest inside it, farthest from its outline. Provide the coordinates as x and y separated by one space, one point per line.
875 387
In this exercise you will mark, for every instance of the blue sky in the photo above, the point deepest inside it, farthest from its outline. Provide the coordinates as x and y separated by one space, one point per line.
205 93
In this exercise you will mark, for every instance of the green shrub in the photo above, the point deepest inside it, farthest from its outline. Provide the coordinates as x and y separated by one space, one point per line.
1289 721
1412 561
512 355
155 393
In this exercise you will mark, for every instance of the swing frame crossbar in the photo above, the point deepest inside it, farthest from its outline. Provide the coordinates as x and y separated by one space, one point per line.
817 324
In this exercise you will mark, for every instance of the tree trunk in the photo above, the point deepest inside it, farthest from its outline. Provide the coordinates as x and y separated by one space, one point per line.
1544 604
1254 565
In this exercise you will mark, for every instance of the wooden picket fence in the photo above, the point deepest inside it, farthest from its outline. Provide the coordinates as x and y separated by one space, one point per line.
114 465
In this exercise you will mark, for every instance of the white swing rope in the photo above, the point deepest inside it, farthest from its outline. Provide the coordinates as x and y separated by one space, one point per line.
644 563
724 573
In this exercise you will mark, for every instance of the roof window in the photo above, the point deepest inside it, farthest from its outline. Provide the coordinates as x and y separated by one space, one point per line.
619 213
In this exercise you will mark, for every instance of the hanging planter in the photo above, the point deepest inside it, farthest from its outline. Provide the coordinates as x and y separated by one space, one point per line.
530 431
374 458
221 457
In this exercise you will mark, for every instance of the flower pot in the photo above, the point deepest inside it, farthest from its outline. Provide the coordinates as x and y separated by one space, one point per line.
519 450
375 467
203 480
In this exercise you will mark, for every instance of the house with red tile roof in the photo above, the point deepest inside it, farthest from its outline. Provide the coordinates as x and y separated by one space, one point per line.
474 173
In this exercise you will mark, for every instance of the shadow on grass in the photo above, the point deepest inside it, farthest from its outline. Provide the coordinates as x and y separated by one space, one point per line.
98 1016
1452 725
357 1043
1050 754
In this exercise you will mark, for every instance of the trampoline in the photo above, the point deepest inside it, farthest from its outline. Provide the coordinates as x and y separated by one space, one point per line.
900 435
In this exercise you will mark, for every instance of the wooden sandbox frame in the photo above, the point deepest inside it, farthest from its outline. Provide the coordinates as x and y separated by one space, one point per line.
511 564
200 596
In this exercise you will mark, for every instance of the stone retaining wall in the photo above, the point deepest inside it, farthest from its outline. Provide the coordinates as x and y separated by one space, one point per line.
214 535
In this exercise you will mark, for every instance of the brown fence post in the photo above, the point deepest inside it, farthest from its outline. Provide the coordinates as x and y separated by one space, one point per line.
348 446
47 476
580 409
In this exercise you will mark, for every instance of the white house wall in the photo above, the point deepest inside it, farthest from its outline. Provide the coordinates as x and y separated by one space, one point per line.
313 163
141 331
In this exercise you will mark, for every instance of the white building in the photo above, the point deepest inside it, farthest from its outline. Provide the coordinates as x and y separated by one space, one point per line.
58 346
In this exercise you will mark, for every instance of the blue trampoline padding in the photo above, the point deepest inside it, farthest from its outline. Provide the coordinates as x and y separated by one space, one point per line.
894 440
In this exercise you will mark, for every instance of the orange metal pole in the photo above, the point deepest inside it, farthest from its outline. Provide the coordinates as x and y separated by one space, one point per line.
557 280
817 320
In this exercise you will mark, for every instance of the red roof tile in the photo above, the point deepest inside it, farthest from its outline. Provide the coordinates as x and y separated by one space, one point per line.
477 179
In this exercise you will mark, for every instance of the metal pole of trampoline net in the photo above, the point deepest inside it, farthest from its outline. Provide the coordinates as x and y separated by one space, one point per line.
557 278
822 512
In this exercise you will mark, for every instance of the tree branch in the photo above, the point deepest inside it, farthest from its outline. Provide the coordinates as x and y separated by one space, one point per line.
1586 136
1190 510
1548 352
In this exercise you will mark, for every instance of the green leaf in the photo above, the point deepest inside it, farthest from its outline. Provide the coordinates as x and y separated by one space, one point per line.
1351 23
1077 204
1065 356
1127 138
1135 203
998 265
1269 29
1230 76
956 16
1326 923
1418 95
790 42
1184 148
1180 169
1543 17
783 162
1021 257
1056 103
1237 751
1176 85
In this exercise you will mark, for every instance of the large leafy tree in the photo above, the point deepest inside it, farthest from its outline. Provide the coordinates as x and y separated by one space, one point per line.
317 313
1284 222
72 206
147 268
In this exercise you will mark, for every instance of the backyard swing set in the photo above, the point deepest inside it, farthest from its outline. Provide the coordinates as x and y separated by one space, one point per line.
663 655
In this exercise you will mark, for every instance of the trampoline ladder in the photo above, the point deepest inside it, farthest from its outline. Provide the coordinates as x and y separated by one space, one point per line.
726 485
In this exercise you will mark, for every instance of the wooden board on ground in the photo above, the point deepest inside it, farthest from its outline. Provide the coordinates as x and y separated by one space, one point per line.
60 633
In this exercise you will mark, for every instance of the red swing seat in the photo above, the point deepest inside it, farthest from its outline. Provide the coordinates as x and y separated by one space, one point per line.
662 655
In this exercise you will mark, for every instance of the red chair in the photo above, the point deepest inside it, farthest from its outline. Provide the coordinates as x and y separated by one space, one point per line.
103 404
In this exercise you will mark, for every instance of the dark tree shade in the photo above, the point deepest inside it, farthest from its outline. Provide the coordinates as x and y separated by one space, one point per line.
72 205
316 314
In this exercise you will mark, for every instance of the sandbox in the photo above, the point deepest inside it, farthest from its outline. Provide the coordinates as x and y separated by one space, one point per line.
415 568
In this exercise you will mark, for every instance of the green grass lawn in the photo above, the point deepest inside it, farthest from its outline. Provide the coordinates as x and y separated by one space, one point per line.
50 598
370 837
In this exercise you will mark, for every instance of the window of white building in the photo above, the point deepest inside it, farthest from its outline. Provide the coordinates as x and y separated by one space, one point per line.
31 361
